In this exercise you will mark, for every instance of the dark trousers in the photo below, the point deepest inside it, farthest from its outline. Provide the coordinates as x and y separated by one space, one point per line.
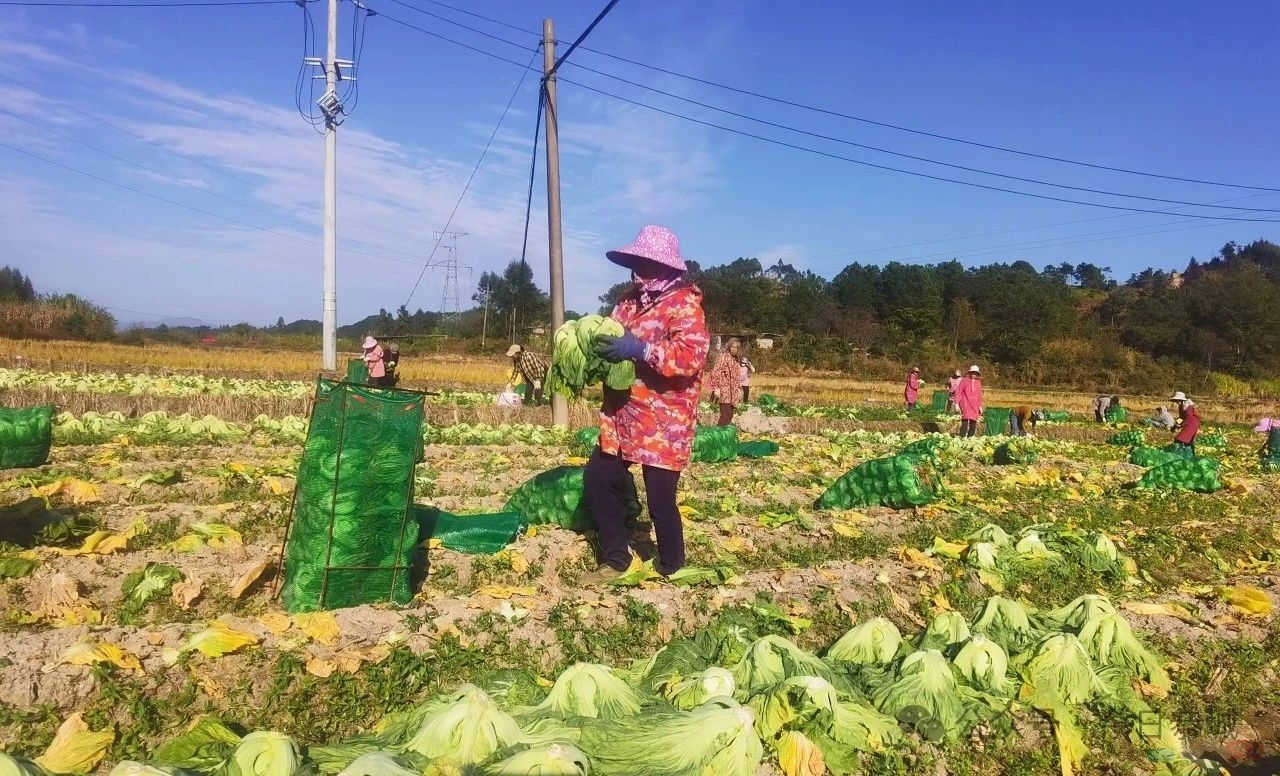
532 395
968 428
726 415
603 484
746 394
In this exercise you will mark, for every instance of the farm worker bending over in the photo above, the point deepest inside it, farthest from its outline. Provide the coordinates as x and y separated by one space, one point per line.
1270 452
1021 417
748 369
725 381
1163 419
912 391
373 357
653 423
969 399
1100 407
532 368
952 385
1188 421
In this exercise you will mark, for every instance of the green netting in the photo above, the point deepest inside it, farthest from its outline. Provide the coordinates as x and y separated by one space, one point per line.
1212 439
554 497
1116 415
470 534
1130 438
25 436
927 447
715 444
350 540
1185 452
585 441
1271 453
940 399
1057 416
997 420
899 481
1149 456
1199 475
760 448
357 371
1015 451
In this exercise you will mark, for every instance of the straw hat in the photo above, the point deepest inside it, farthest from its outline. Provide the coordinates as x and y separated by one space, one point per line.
657 244
1179 396
974 370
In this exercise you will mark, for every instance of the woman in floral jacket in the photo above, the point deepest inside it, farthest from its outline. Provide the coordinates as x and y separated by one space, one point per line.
725 381
653 423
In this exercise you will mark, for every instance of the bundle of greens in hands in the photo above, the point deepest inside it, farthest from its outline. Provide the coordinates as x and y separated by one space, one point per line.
576 362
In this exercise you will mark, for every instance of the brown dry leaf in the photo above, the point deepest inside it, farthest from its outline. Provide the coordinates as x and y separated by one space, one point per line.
75 490
184 593
503 592
319 626
317 666
276 622
452 630
207 683
75 748
1148 690
350 662
278 486
375 653
1152 609
59 603
664 631
246 575
155 638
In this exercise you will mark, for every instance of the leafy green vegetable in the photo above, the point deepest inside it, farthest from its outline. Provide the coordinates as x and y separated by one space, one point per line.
984 665
925 679
718 738
693 691
131 768
551 760
575 363
380 764
945 631
151 581
19 766
1007 623
205 744
264 753
13 567
874 642
589 690
1109 640
463 729
772 659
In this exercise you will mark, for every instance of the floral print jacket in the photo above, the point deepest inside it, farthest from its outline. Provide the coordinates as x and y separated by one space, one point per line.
653 423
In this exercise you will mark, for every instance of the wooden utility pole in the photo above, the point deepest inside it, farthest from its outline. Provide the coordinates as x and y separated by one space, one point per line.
555 241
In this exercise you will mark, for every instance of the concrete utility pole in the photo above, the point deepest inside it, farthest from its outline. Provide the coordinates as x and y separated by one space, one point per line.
555 241
332 110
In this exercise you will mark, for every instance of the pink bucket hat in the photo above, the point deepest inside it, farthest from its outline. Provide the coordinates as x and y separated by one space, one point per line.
1266 424
654 243
370 342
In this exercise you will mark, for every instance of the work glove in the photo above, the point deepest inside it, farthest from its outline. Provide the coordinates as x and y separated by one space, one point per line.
615 349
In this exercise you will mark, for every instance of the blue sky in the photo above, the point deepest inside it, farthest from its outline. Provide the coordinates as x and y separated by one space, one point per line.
197 106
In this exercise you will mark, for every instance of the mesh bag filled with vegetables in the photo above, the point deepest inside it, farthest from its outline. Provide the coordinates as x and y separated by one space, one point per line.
25 436
1016 451
899 482
1057 416
555 497
585 441
1116 414
1183 451
1130 438
1150 456
715 444
1199 475
351 538
575 364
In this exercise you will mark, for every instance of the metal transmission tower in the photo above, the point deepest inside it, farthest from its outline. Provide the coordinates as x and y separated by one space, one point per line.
450 301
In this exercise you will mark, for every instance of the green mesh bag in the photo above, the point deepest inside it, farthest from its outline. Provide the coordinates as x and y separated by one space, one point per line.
469 534
357 371
1185 452
585 441
1057 416
1199 475
1212 439
1131 438
1149 456
1271 453
899 481
928 447
25 436
555 497
1115 414
759 448
997 420
715 444
350 539
1015 451
939 404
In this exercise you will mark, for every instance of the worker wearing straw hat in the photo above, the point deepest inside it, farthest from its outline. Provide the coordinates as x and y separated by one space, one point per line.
532 368
653 423
912 390
969 397
1188 421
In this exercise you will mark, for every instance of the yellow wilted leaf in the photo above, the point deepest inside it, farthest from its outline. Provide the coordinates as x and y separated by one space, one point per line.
1152 609
435 544
545 684
575 460
320 626
798 756
219 639
1249 600
917 558
846 530
88 654
75 748
207 683
687 511
991 579
940 602
276 622
503 592
246 575
317 666
948 549
515 559
75 490
279 486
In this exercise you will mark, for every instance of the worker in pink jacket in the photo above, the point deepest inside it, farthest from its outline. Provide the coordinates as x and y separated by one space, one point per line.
912 391
969 397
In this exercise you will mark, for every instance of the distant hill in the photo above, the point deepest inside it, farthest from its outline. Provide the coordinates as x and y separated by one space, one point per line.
172 323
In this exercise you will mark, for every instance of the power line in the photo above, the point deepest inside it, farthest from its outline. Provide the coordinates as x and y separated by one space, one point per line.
489 19
573 46
873 165
533 169
466 187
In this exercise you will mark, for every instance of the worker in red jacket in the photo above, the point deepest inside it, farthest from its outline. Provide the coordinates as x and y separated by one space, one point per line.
1188 421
